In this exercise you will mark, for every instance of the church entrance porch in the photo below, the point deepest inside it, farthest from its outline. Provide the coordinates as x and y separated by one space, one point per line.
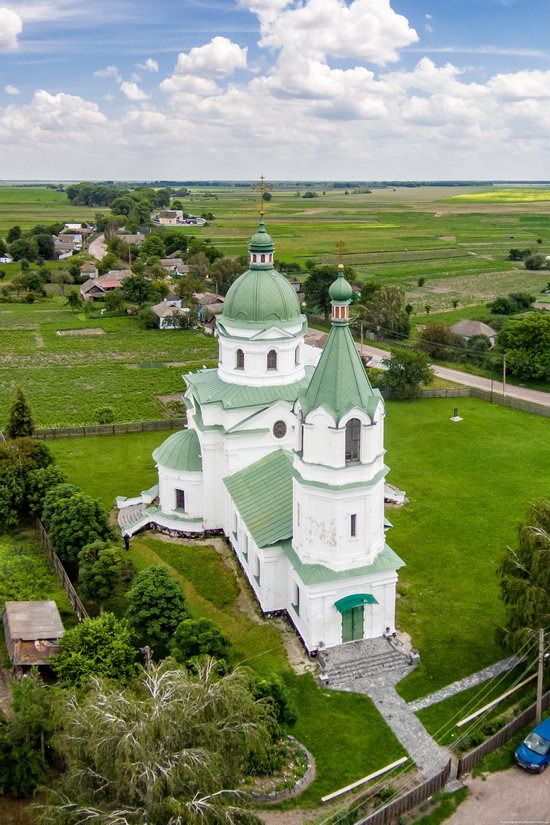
346 665
353 625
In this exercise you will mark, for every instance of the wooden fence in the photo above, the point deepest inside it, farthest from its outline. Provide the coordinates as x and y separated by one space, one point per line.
74 599
467 762
403 804
112 429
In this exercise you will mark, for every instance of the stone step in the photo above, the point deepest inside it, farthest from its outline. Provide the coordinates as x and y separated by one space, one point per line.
392 657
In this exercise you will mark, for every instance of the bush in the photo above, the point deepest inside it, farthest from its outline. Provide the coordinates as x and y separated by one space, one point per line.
156 606
438 341
147 319
105 415
535 262
199 637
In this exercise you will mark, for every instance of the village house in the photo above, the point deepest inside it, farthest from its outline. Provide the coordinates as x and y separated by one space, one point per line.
209 304
133 240
174 266
95 289
473 329
170 217
63 247
89 270
32 631
168 312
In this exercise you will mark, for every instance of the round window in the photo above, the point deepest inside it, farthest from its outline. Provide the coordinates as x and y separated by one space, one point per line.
279 429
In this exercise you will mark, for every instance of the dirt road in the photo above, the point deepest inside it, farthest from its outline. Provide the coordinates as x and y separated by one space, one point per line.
97 248
511 796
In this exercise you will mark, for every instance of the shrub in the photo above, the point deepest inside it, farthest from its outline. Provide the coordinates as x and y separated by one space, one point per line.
147 319
20 421
199 637
105 415
156 606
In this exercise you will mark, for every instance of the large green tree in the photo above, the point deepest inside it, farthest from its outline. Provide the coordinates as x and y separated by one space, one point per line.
384 313
97 647
100 569
526 343
156 606
199 637
316 287
73 519
20 420
168 750
406 371
525 579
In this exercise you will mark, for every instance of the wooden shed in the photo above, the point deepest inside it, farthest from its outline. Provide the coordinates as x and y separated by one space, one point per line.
32 631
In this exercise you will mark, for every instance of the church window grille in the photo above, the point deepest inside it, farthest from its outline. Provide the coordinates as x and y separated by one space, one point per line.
272 360
180 500
353 439
240 359
353 525
262 259
279 429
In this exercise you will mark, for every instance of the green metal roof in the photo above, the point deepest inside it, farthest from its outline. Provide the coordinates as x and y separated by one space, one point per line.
340 382
263 496
341 291
261 241
209 388
261 295
181 451
318 573
349 602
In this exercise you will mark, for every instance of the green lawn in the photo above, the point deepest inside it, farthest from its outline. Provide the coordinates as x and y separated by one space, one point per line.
469 485
28 206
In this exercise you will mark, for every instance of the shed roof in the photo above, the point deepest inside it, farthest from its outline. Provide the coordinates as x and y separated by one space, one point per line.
262 494
469 329
30 621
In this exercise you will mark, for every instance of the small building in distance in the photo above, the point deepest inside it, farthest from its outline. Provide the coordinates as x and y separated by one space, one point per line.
168 312
89 270
209 304
170 217
174 266
473 329
95 289
133 240
32 631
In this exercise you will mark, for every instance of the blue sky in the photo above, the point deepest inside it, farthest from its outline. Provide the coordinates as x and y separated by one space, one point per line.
312 88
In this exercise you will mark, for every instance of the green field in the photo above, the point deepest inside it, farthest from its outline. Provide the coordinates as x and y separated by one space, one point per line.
67 377
469 485
525 194
28 206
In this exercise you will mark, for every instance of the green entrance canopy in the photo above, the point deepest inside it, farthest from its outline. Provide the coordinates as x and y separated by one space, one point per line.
349 602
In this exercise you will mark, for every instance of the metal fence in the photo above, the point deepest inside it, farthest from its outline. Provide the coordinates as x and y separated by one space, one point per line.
403 804
467 762
112 429
74 599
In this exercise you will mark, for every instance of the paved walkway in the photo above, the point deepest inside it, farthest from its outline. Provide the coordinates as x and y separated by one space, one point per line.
469 380
463 684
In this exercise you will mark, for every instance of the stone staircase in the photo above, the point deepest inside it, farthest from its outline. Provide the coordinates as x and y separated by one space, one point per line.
131 518
364 659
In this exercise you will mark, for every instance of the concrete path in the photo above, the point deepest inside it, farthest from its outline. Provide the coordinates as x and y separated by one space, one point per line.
511 796
97 248
469 380
463 684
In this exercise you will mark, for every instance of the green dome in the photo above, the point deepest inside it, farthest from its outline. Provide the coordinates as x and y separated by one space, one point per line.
261 241
261 295
181 451
340 290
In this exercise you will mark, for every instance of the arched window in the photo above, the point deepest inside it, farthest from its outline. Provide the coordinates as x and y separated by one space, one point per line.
272 360
297 356
240 359
254 258
262 259
353 439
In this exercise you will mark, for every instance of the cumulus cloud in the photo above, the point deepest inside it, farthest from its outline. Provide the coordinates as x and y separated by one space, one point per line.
109 71
219 58
133 91
150 65
524 84
11 90
11 26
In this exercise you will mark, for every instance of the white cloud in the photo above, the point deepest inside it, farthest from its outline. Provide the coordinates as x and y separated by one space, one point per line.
11 90
219 58
11 26
150 65
133 91
109 71
524 84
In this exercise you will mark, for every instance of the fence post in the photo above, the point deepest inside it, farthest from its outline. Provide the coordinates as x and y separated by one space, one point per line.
66 583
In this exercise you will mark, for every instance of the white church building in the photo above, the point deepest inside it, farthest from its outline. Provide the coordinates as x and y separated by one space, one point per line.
286 460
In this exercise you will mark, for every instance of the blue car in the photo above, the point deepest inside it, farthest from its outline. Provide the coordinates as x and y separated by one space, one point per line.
534 752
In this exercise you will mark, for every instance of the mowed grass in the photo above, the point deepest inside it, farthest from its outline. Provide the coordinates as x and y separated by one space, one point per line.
344 732
68 377
28 206
468 484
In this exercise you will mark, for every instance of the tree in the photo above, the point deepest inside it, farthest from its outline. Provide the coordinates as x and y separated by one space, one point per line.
525 579
73 301
421 281
407 370
96 647
153 245
45 246
267 196
138 290
533 262
166 750
385 313
316 287
99 571
39 482
73 519
61 278
156 606
147 319
199 637
24 248
114 300
20 420
526 342
13 234
438 341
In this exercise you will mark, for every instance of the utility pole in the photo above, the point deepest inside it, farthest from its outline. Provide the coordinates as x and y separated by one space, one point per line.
540 676
504 375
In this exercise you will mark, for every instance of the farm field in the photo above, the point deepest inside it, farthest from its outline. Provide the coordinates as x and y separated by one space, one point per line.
28 206
527 194
466 498
67 377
